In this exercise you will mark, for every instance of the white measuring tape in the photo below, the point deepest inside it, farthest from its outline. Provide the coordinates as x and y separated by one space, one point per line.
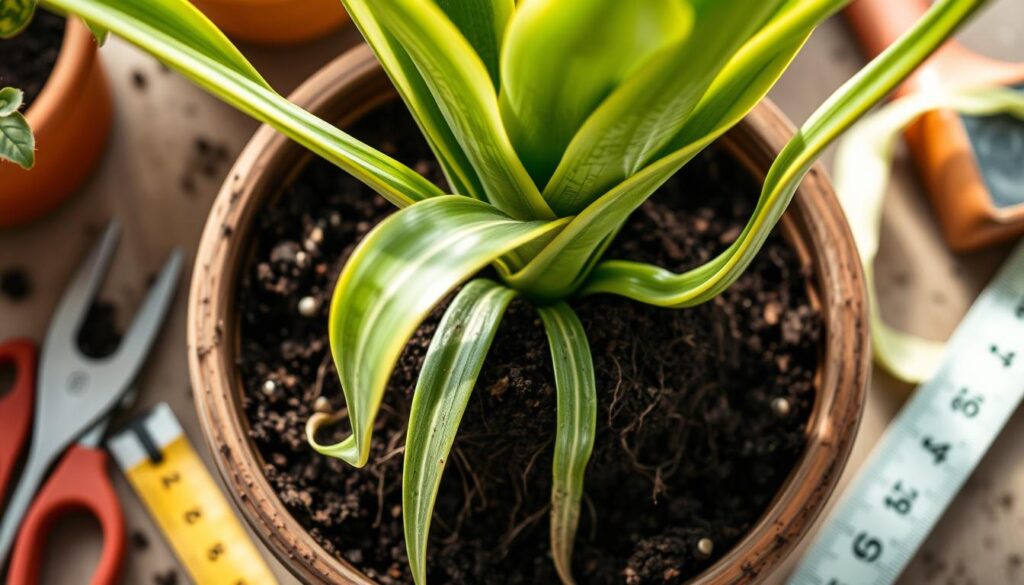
941 434
931 447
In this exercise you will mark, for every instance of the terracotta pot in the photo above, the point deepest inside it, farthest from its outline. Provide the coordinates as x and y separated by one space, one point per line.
347 89
71 119
274 22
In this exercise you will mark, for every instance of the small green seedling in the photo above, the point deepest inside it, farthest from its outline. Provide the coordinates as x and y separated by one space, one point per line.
553 120
16 141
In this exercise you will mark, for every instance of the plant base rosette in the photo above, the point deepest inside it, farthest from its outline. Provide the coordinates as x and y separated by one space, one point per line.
701 414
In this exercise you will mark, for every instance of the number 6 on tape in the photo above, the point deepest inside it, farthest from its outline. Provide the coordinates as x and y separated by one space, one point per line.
190 510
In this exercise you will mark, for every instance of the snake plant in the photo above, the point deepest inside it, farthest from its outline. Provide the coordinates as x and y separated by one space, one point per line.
552 120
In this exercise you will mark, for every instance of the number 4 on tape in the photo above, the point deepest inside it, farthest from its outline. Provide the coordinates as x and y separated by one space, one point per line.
190 510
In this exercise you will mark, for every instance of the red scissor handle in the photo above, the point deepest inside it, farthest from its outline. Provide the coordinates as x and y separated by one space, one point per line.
79 482
16 407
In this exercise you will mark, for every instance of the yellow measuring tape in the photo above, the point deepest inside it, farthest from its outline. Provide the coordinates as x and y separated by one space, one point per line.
188 506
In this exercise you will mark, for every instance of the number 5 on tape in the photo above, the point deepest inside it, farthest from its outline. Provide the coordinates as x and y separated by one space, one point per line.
176 488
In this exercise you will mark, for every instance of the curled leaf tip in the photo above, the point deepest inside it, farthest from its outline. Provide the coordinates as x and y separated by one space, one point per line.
346 450
11 99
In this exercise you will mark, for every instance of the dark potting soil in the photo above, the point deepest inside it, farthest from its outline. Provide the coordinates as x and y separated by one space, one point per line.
688 444
27 59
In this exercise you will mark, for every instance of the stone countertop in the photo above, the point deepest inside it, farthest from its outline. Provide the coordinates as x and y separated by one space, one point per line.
155 181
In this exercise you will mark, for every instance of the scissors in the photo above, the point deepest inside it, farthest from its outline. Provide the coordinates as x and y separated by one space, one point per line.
75 397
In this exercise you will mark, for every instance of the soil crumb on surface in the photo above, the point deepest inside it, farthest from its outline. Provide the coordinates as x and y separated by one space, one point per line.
27 59
689 445
205 161
15 284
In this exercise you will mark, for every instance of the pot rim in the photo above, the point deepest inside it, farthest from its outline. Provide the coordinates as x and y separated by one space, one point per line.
70 71
815 216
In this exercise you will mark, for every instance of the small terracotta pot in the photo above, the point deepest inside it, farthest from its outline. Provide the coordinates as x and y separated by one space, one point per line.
71 119
354 84
274 22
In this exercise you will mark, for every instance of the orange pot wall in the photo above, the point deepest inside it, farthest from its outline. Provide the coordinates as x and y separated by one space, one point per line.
274 22
71 120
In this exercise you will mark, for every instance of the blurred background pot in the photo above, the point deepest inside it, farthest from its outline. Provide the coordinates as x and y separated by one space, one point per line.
71 119
353 85
274 22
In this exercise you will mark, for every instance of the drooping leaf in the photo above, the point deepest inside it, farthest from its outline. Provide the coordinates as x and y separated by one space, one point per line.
483 23
644 113
16 141
657 286
461 87
861 175
563 57
10 100
15 16
576 424
449 373
178 34
408 263
416 95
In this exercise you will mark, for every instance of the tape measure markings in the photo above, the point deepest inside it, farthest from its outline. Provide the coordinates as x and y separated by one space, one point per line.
186 503
931 447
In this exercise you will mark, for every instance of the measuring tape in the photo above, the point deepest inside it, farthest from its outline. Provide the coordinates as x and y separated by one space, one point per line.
189 508
931 447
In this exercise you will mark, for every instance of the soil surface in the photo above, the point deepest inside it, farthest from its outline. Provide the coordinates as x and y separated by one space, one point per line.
688 446
27 59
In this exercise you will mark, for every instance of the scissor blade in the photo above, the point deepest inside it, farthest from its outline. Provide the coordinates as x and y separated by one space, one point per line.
78 296
142 332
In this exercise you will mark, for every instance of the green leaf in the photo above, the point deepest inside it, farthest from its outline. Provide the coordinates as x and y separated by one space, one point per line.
178 34
577 420
754 69
654 285
408 263
98 32
462 90
545 98
446 381
10 100
417 97
16 141
561 267
15 16
483 23
637 120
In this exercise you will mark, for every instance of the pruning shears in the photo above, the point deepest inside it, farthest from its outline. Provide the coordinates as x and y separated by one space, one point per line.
76 396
